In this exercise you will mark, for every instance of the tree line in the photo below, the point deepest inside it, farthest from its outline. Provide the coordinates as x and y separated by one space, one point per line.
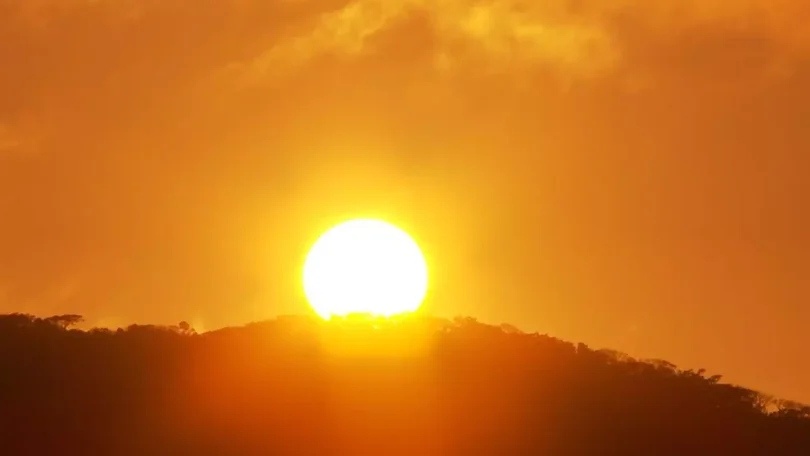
365 386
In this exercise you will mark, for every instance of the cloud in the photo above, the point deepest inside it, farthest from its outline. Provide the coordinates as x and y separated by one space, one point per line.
575 38
489 34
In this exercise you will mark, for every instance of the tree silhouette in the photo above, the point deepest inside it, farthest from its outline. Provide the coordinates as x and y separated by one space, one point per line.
299 385
64 321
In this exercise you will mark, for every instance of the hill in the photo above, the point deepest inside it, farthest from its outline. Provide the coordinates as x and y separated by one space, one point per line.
414 386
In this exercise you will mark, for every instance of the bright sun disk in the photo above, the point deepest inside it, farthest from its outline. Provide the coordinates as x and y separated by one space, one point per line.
365 266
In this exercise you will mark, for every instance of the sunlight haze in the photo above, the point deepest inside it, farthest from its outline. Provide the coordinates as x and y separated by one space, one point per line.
630 174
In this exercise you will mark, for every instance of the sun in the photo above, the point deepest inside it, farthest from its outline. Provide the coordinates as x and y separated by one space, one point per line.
365 266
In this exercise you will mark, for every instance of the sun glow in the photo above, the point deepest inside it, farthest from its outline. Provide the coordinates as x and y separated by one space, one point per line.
365 266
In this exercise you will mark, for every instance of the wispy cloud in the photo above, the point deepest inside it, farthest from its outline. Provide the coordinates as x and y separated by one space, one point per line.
494 34
576 38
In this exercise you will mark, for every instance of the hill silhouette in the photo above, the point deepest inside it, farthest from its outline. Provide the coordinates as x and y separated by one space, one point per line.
413 386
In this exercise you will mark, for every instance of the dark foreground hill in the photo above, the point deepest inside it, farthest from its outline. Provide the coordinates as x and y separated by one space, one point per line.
361 387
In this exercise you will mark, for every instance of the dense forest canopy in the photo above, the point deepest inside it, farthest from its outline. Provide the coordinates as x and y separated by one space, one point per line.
356 386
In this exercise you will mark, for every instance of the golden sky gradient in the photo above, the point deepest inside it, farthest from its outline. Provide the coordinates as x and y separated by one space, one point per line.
627 173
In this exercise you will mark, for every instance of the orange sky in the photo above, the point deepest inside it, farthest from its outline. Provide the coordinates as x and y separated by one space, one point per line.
627 173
